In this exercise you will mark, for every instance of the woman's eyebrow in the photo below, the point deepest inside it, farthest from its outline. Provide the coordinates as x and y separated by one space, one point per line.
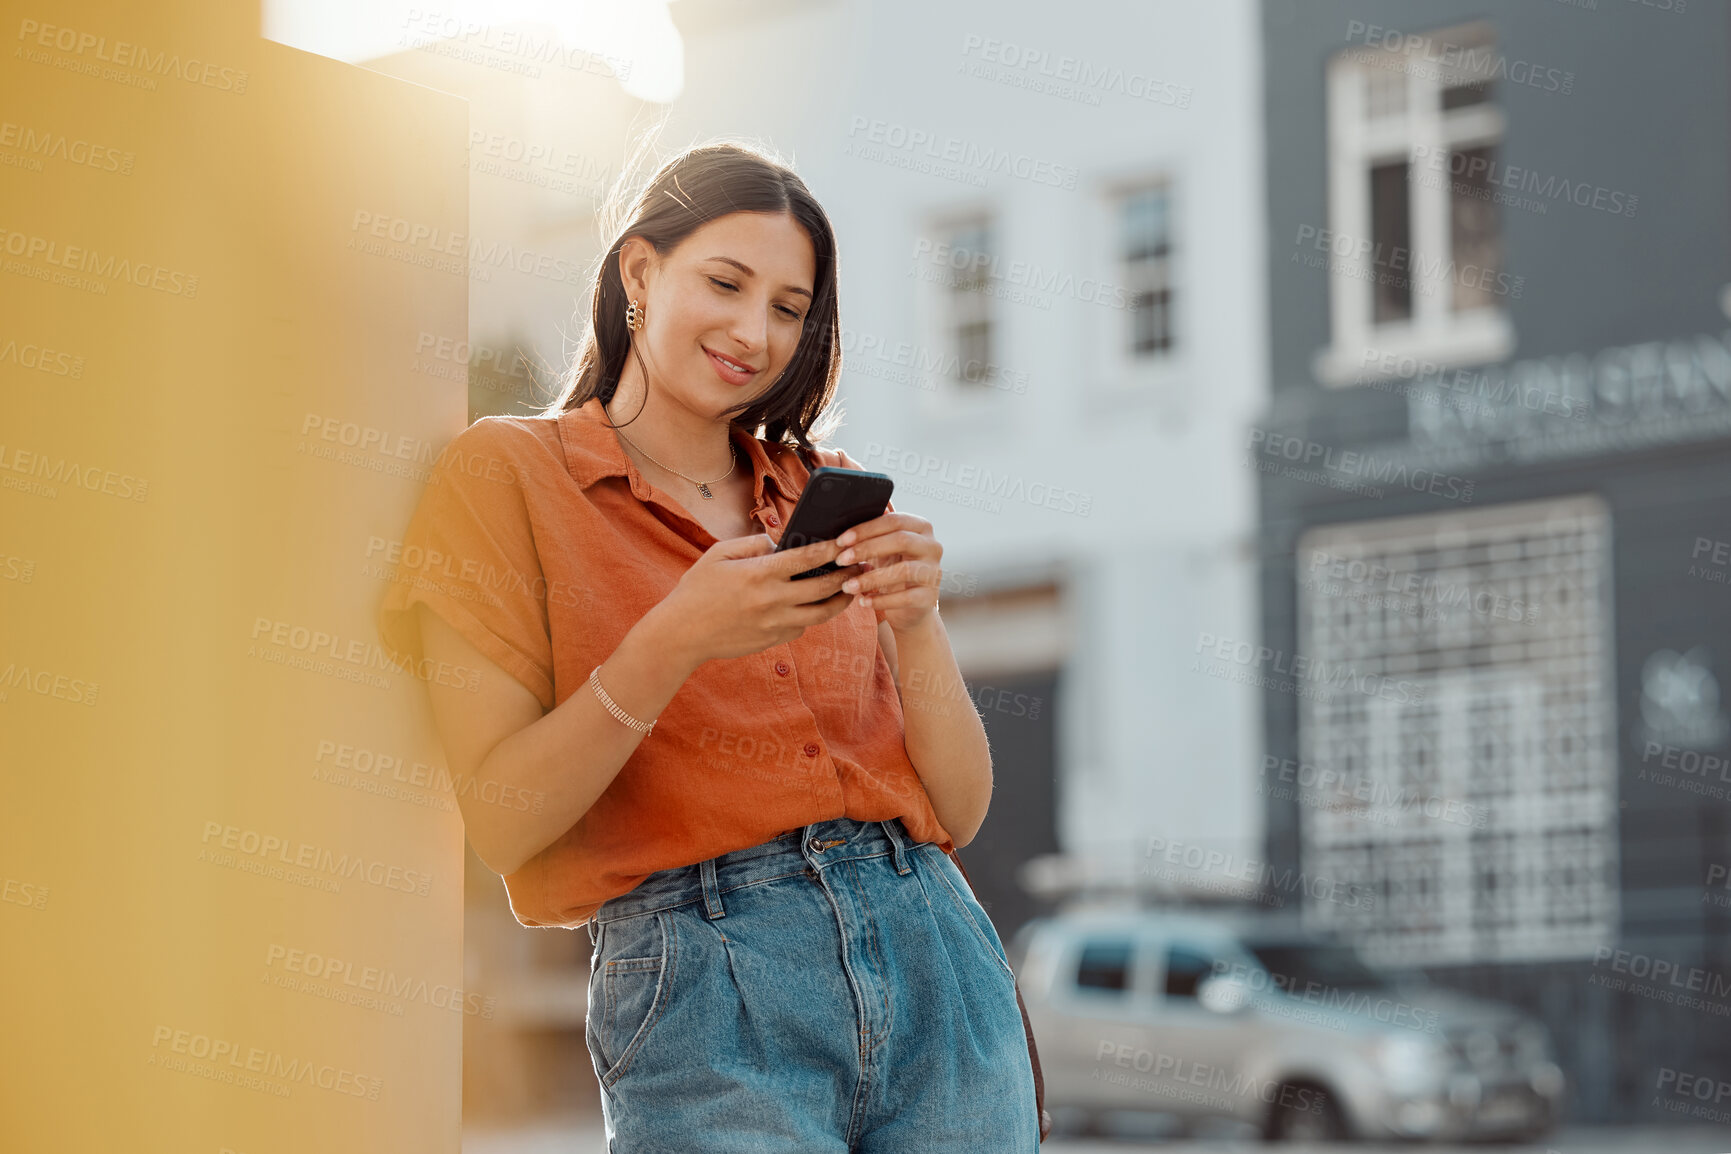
747 270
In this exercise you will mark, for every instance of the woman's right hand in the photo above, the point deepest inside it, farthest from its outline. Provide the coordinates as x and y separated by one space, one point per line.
737 598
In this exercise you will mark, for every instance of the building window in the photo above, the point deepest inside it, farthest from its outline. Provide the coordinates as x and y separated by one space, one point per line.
1413 242
1145 251
967 284
1462 713
1475 240
1391 232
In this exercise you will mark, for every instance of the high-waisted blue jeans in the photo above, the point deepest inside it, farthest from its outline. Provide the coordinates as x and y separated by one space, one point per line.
834 990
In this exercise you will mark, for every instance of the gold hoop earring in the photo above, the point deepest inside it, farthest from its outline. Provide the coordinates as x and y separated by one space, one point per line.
634 316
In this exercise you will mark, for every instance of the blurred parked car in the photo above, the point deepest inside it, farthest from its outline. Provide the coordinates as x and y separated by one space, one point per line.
1240 1016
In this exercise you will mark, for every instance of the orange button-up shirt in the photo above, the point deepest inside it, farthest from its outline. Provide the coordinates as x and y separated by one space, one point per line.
542 543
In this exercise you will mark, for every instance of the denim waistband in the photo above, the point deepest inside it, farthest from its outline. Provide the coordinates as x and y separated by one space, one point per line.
815 847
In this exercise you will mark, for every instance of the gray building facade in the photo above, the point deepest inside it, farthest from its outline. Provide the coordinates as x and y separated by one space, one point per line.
1495 484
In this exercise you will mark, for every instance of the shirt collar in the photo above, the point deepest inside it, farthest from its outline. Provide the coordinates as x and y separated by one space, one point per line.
592 452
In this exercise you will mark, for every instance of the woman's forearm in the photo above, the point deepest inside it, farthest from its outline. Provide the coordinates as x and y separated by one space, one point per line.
945 738
573 753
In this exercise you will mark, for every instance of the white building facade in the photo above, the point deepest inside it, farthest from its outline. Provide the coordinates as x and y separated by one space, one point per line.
1053 291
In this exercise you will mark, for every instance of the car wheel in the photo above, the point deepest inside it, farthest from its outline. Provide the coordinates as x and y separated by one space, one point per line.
1306 1114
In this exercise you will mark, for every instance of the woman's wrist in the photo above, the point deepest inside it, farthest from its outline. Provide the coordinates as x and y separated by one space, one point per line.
666 641
643 673
929 627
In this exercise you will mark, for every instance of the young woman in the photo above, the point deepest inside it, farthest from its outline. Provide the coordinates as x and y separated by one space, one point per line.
743 785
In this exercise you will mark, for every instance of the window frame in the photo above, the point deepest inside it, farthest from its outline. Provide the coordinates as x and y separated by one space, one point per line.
1164 263
1356 144
1121 375
951 399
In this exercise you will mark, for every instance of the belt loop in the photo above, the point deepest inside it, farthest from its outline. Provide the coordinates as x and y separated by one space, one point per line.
897 850
711 889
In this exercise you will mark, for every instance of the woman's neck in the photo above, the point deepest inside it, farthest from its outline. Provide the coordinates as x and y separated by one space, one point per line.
669 433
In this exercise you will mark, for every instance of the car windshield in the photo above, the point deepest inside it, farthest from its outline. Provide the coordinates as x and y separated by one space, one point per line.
1302 963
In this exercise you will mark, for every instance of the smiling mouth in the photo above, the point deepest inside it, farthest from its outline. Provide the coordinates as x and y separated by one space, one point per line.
729 364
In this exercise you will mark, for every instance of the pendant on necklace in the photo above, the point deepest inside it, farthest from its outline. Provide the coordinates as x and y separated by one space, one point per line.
704 489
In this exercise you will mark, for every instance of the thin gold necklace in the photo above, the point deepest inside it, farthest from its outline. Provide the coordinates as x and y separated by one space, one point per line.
702 486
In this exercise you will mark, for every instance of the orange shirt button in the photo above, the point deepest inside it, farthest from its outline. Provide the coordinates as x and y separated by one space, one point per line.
811 749
771 519
783 668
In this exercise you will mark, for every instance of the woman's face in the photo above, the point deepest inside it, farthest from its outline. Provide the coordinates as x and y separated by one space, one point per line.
725 308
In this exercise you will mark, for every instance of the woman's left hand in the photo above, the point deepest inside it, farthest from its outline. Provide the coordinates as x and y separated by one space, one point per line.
902 576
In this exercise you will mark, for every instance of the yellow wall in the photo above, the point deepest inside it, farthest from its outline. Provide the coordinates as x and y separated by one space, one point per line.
195 316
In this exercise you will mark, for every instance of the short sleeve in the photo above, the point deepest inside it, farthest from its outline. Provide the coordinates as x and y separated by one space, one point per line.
838 459
469 555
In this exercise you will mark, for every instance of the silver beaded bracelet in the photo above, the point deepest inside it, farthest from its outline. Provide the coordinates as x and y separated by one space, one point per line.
645 728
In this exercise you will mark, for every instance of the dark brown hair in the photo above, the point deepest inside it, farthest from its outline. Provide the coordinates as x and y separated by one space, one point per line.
695 187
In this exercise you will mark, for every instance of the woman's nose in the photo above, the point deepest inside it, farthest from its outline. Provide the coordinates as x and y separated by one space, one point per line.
751 328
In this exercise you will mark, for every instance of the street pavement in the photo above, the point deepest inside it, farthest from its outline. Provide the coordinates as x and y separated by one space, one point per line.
583 1135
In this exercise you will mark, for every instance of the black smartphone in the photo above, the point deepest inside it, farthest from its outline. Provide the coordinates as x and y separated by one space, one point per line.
832 502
